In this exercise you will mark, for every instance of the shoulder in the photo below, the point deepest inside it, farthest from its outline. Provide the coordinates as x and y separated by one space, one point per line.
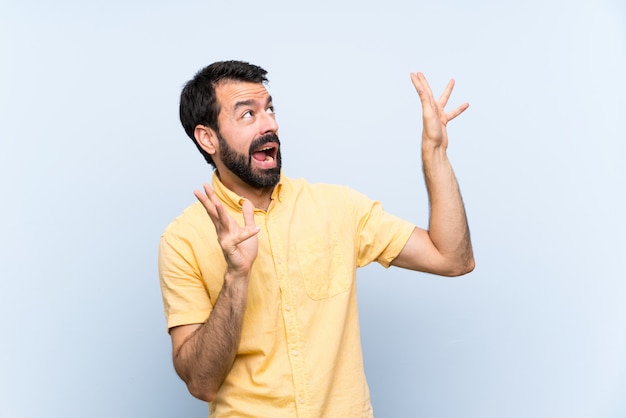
191 222
324 200
336 192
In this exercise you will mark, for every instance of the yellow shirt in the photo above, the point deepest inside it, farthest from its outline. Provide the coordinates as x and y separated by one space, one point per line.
300 351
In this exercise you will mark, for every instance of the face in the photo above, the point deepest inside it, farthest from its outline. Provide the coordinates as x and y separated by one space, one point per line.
249 147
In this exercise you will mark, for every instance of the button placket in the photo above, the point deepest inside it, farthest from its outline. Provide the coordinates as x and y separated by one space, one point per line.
293 338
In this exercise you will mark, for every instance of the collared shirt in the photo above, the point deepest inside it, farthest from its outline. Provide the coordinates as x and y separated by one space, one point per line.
300 352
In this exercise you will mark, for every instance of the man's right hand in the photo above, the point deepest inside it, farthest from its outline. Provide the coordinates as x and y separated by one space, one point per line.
239 244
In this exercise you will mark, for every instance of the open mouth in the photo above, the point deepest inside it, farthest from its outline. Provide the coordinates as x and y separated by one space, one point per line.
267 153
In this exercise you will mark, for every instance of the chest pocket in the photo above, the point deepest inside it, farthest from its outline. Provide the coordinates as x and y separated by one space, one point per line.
325 269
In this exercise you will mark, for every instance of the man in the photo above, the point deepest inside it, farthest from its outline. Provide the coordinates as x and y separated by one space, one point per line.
258 276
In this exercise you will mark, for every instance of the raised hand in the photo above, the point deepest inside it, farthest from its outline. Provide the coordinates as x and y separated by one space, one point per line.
239 244
434 115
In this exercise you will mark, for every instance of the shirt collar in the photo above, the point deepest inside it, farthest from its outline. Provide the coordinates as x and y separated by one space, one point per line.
235 201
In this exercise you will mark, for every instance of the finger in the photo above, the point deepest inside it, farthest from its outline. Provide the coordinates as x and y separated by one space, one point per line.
443 99
247 233
250 228
422 79
223 217
209 201
429 105
248 214
456 112
416 83
421 86
209 192
216 202
204 199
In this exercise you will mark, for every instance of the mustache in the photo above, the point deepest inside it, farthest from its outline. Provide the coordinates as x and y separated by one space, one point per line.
262 140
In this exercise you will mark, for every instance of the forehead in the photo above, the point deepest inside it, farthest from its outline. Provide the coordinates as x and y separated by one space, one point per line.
230 94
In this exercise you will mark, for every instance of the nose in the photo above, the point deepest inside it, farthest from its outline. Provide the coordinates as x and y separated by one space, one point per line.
268 123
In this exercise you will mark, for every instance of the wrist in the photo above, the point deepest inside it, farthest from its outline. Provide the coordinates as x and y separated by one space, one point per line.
236 277
433 153
235 287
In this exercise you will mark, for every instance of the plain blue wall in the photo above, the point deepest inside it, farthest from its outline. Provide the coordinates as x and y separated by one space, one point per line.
94 165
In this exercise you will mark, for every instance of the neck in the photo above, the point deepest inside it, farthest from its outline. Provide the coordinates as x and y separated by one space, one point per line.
259 197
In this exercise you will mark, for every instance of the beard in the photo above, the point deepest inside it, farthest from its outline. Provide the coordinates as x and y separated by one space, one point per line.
241 165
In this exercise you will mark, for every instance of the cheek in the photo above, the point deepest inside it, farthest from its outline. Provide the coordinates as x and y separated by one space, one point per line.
240 139
235 139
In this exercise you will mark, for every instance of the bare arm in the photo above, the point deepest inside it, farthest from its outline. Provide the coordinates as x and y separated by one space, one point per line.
204 353
446 247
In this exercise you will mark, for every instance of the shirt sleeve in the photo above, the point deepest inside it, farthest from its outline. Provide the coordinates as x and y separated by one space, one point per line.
185 297
381 236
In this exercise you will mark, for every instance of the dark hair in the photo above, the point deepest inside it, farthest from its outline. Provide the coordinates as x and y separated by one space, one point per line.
198 104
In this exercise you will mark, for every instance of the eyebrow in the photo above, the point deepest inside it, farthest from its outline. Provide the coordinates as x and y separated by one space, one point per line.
250 102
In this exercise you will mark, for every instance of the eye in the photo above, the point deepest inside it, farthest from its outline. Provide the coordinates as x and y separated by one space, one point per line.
247 114
271 110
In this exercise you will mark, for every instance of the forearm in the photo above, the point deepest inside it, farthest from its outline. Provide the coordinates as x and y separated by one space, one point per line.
448 227
206 357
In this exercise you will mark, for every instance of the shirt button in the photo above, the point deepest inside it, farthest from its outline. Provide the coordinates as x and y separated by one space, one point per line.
288 308
295 353
279 260
301 400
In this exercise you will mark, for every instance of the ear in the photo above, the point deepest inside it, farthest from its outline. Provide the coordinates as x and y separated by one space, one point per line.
206 138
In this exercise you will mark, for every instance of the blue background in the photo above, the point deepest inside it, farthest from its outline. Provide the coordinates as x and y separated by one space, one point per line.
94 165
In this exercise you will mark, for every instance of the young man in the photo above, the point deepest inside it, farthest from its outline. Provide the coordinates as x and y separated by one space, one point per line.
258 276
